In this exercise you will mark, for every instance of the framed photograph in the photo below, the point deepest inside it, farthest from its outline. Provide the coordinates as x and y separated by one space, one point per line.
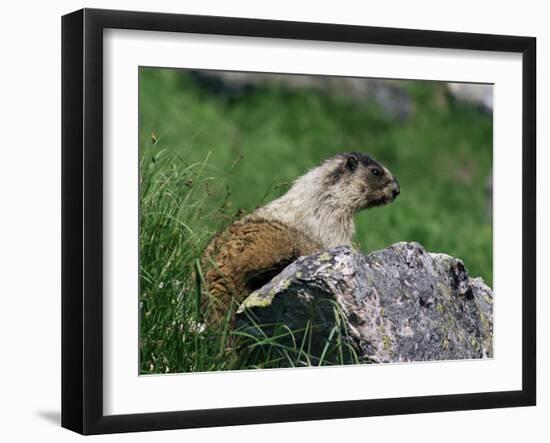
268 221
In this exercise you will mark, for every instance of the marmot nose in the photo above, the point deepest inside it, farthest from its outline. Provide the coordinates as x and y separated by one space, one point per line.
396 190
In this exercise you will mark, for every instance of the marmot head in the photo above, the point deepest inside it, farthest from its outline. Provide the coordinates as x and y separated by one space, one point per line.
359 181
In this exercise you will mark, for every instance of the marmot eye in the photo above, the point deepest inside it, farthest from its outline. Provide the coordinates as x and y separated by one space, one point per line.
376 172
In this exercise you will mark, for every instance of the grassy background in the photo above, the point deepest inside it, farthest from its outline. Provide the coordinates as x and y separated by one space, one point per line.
206 158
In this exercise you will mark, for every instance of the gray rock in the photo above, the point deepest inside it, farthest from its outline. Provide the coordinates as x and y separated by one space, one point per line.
389 95
477 94
397 304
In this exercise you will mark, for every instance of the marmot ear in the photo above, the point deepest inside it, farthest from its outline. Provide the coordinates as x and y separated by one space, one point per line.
351 162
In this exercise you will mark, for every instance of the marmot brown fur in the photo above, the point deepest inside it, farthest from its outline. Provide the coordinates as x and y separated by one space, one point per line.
316 213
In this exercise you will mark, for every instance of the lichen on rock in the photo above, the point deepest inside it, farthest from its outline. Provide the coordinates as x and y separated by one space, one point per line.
399 304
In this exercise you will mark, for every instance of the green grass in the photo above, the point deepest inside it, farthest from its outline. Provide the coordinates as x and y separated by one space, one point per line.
206 159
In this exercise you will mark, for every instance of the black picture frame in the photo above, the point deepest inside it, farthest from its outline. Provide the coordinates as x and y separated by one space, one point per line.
82 218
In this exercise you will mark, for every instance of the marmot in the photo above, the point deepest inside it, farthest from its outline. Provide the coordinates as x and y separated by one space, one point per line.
316 213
